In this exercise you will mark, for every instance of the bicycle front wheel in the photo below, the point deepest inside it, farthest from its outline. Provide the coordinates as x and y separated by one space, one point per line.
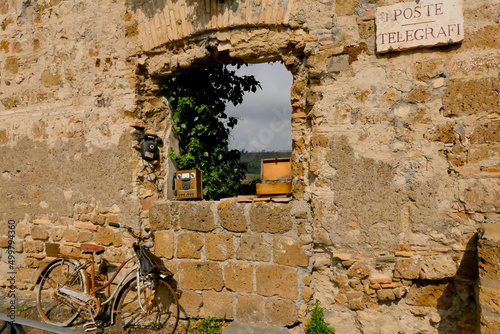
147 308
51 307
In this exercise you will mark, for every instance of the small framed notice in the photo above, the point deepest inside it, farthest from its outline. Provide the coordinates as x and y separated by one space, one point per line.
420 23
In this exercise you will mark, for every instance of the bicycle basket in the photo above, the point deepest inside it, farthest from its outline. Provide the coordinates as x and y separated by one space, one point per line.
150 263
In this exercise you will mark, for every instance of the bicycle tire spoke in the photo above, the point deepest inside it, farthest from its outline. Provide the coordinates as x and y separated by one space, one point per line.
51 308
159 315
53 285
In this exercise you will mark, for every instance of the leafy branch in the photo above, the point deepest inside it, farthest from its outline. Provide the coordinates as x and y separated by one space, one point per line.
198 101
317 324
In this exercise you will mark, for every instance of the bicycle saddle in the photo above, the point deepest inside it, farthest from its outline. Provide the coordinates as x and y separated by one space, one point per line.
90 248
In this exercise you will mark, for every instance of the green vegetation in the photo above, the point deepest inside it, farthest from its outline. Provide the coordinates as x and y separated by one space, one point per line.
253 159
24 308
317 324
209 325
198 100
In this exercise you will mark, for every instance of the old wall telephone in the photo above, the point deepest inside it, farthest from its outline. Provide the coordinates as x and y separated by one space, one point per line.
149 146
187 184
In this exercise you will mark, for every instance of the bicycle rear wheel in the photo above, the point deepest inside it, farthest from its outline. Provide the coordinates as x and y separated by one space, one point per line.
51 308
151 309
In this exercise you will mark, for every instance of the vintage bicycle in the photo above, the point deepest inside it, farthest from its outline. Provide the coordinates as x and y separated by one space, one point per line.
143 301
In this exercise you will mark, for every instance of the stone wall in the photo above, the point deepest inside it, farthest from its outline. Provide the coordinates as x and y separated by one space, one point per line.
395 156
231 260
488 287
257 263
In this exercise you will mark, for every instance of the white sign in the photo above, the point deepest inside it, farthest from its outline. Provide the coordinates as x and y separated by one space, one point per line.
419 23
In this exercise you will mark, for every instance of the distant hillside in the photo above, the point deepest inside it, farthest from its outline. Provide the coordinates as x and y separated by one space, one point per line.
253 160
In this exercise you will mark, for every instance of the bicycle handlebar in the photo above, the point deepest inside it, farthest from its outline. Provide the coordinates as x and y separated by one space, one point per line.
131 231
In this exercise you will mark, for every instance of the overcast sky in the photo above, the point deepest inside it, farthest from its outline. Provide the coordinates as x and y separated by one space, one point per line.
264 116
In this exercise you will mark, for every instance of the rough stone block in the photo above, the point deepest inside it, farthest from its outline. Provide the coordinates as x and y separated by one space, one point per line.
483 38
488 251
287 251
438 295
346 7
253 247
64 221
200 275
39 232
407 268
399 292
190 303
489 325
4 242
428 69
219 247
273 280
438 267
298 87
250 309
52 249
197 216
359 271
482 195
239 276
356 285
482 153
98 219
419 94
56 233
22 229
35 246
337 63
189 245
164 244
307 294
468 97
486 133
217 304
85 236
300 209
281 312
25 275
356 304
32 262
232 216
340 299
444 133
386 294
81 208
489 298
160 216
104 236
70 235
270 218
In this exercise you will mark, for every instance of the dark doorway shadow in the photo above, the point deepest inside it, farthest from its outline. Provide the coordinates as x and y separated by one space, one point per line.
460 312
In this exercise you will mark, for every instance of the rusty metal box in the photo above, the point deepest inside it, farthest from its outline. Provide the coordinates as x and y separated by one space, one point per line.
188 184
276 177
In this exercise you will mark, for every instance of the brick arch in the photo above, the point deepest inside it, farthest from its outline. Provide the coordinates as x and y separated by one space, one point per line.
165 21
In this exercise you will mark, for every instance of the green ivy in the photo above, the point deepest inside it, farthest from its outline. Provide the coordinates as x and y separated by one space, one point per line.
198 100
209 325
317 324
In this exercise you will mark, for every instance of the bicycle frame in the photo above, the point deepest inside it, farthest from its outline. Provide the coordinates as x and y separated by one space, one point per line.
118 286
86 301
94 290
82 267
